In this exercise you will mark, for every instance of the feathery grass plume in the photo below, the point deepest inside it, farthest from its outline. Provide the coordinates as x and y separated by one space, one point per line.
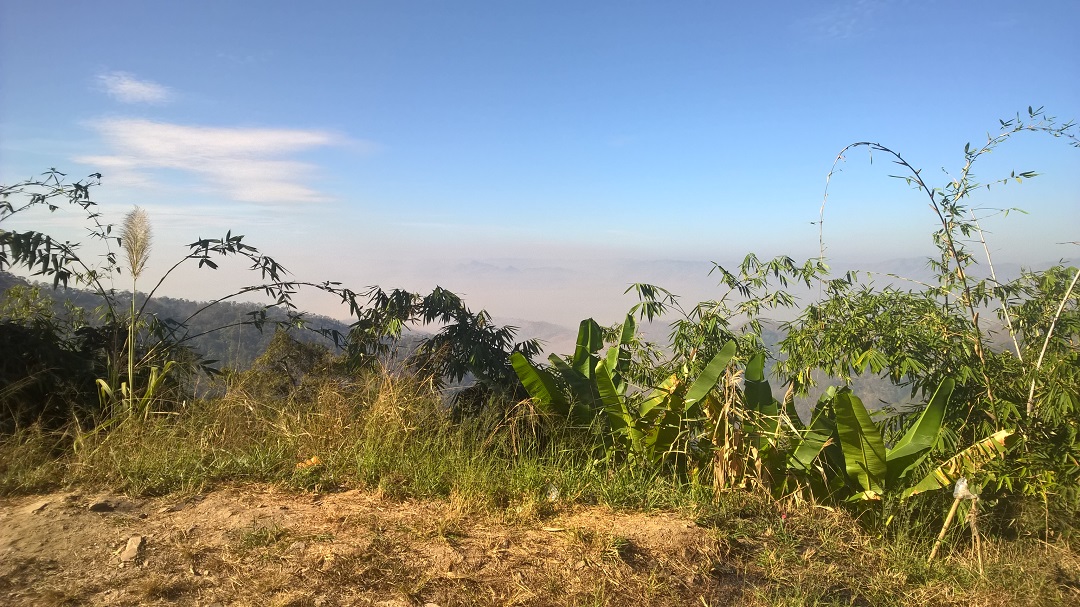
135 238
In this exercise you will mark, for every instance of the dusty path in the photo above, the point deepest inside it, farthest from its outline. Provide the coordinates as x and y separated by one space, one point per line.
258 546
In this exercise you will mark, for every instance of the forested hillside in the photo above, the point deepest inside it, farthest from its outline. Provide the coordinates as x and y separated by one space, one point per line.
224 330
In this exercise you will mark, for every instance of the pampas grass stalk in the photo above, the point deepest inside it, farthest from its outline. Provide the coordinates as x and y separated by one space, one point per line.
135 238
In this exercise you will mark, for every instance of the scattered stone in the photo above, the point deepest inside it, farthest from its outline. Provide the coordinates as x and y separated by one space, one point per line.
101 506
131 551
38 507
551 493
179 506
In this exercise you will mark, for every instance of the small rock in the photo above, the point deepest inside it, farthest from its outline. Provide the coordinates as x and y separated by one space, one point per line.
551 492
131 551
101 506
38 507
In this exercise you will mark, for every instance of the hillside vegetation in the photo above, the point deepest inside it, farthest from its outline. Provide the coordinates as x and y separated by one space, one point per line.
958 500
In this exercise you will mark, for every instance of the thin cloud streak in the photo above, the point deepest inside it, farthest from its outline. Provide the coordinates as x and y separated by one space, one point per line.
244 164
125 87
842 20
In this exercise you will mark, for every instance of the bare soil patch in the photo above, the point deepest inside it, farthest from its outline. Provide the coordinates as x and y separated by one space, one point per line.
259 546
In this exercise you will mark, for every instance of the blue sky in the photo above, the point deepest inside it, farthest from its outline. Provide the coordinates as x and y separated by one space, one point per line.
538 156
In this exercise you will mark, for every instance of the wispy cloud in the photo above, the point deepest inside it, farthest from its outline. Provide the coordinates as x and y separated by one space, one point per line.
244 164
842 19
125 87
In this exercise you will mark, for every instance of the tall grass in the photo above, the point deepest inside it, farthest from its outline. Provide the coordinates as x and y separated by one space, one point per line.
380 431
393 434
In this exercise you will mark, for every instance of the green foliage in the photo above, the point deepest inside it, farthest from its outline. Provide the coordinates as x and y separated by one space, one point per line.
666 422
570 388
152 349
754 288
873 469
650 426
1002 402
919 337
48 367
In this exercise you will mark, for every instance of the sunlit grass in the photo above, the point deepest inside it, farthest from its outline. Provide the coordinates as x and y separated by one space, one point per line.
394 435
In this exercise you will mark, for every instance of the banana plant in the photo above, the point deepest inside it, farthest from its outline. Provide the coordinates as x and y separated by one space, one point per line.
654 424
569 389
964 463
870 467
782 451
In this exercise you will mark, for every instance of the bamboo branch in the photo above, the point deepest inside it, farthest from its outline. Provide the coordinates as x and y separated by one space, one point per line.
1046 343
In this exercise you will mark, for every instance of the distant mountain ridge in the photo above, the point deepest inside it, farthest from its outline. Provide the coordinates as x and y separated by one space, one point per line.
233 347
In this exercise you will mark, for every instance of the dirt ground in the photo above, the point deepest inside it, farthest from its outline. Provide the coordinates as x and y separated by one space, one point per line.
260 546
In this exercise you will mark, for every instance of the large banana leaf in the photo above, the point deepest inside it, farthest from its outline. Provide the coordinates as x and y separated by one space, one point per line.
590 340
791 413
763 415
662 435
618 357
964 462
657 401
540 385
756 388
864 451
709 377
620 419
813 441
910 450
582 388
